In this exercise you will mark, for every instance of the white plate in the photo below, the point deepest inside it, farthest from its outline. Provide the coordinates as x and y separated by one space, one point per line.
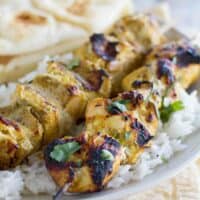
165 171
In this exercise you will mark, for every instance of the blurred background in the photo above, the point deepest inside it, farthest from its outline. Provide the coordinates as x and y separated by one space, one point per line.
185 13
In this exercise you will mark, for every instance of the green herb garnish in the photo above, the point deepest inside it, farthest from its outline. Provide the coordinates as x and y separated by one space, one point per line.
73 63
167 111
116 136
79 163
124 101
106 155
62 152
116 107
164 159
127 135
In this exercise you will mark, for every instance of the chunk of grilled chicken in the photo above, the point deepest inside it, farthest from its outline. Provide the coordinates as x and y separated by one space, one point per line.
24 116
58 98
89 167
127 118
166 67
15 142
117 53
70 89
183 59
20 134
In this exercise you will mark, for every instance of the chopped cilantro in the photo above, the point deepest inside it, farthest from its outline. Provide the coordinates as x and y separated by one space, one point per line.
79 163
167 111
164 159
116 107
73 63
124 101
106 155
62 152
127 135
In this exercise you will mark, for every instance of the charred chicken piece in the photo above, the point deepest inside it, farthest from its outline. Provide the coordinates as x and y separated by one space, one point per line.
183 58
167 68
83 164
25 116
109 57
69 88
127 118
46 110
14 142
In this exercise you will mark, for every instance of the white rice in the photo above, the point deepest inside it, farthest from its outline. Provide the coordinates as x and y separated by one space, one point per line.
33 177
36 170
11 185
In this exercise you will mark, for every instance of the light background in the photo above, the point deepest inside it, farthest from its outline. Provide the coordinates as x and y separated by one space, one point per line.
185 13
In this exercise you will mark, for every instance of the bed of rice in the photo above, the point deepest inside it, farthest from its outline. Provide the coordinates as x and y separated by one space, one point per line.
33 178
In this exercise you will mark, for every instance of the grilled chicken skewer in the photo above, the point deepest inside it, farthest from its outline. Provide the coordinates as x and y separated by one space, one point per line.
118 52
132 117
54 101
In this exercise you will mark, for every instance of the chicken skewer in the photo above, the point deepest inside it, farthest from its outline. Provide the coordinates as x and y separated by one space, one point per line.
54 101
120 51
132 117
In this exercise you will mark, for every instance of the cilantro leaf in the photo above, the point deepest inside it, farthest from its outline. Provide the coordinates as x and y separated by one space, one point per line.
106 155
116 107
62 152
73 63
127 135
167 111
164 160
124 101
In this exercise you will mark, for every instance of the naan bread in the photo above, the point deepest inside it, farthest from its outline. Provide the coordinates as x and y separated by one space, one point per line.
30 29
25 29
94 15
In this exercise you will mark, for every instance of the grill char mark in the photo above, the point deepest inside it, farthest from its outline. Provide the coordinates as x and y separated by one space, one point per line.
138 84
104 48
165 70
99 167
186 56
95 79
143 135
135 97
9 123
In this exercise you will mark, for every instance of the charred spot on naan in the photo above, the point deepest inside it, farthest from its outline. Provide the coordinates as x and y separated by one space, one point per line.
4 60
78 7
31 18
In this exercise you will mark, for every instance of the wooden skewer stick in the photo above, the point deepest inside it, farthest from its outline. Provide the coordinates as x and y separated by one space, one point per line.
60 192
